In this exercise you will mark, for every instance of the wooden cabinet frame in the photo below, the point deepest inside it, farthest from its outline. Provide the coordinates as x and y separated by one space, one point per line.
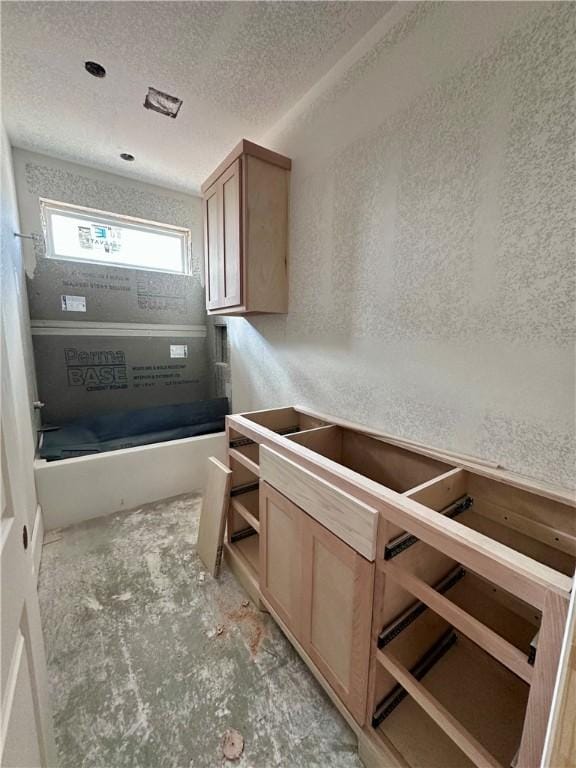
518 541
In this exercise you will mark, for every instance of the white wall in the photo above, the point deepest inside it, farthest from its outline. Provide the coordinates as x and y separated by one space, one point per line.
432 238
16 355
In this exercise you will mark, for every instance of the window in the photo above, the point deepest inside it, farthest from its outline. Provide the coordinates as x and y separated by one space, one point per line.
98 237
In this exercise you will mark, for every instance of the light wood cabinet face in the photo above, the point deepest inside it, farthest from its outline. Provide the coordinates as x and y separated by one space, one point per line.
211 245
231 256
322 590
281 556
223 245
337 614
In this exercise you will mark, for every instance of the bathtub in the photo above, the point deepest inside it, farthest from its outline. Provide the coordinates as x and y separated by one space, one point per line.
106 480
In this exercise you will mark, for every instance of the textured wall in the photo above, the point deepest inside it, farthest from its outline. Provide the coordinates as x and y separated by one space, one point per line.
432 238
42 176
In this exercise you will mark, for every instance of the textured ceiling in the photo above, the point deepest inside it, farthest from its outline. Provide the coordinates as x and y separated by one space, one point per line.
238 66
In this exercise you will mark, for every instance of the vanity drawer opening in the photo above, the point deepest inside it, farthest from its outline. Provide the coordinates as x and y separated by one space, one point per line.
444 701
245 504
403 541
489 615
283 421
244 481
538 527
248 548
394 467
245 453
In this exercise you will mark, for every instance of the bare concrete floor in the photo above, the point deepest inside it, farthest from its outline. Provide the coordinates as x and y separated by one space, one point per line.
140 675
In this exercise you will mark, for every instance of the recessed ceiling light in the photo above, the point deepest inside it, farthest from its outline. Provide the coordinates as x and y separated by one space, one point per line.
127 156
94 68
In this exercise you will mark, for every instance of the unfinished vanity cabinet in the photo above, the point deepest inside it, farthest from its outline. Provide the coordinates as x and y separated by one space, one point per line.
281 557
246 232
321 589
469 613
428 597
337 614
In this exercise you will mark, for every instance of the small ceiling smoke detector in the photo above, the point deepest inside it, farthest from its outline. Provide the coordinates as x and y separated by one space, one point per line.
162 102
127 156
93 68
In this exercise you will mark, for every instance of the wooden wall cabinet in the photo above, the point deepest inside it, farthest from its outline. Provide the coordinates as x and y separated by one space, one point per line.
246 232
322 590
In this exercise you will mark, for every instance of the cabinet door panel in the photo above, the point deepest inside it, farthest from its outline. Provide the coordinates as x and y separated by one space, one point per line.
337 614
211 247
231 234
281 556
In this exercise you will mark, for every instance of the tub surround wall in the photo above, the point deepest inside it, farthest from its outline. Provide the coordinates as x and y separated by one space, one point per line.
136 321
431 238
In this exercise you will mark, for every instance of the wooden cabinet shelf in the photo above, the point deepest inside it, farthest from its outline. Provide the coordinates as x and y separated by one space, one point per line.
248 549
243 559
284 421
246 505
476 702
246 232
248 456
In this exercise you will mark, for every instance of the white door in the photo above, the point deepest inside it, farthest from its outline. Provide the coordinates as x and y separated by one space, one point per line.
26 735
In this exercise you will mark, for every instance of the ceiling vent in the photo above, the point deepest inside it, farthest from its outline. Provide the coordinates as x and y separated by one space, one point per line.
162 102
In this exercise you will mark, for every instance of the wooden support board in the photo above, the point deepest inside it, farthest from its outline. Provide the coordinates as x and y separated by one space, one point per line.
545 671
459 735
350 519
213 515
560 749
487 639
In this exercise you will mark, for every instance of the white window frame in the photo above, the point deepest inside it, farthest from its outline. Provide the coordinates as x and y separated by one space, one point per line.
49 207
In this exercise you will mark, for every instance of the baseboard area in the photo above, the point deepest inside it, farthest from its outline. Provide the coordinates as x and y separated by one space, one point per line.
74 490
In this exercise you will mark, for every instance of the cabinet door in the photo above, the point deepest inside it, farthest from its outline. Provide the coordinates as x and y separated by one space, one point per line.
281 526
337 614
211 247
230 245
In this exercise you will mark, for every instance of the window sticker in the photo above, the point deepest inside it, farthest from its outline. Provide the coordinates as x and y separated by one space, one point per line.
100 238
178 350
73 303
